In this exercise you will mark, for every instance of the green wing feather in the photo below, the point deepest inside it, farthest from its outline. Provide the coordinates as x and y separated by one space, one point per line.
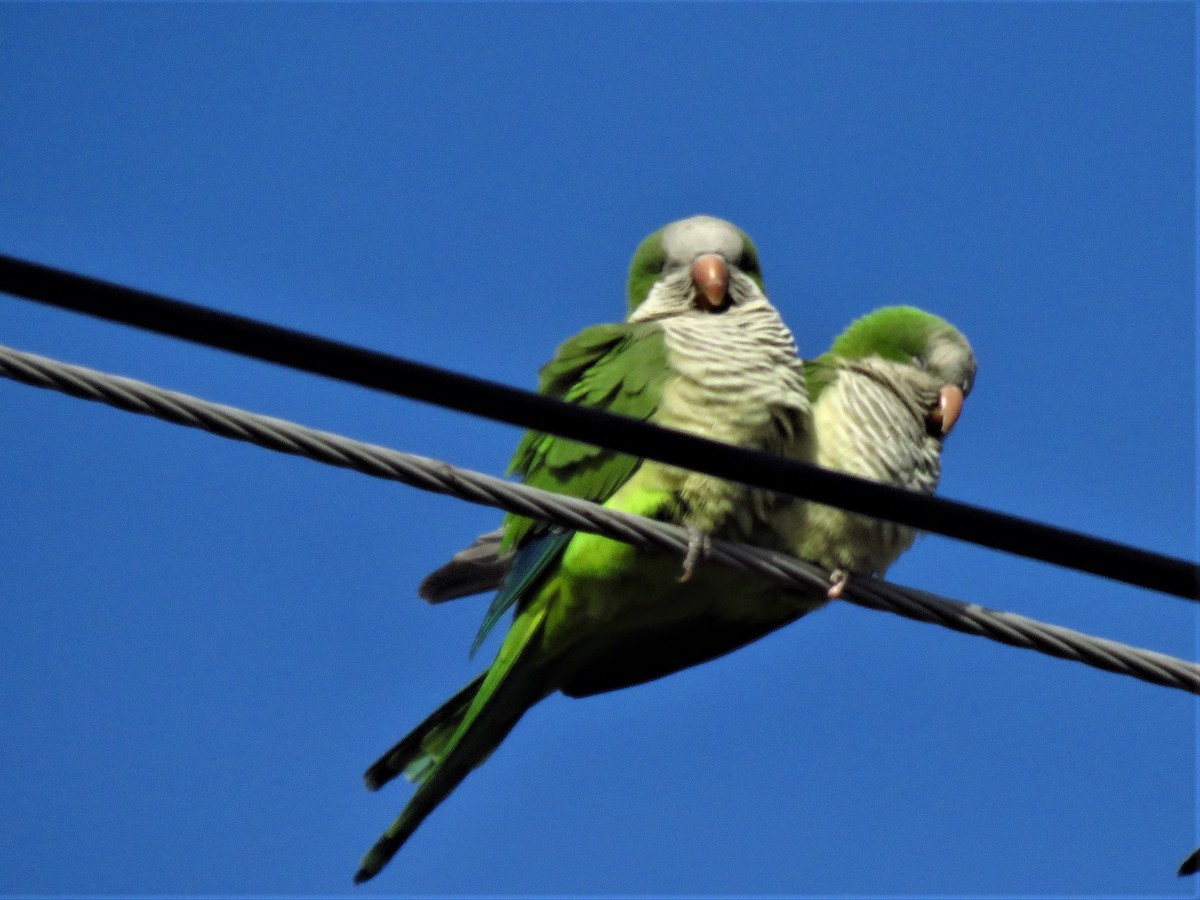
819 374
618 368
425 744
463 733
529 565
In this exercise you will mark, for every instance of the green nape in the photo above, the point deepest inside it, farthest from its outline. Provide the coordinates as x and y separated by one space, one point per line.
645 269
749 262
897 333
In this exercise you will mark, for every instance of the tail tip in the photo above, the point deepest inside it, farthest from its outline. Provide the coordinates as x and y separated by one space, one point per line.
374 861
1190 865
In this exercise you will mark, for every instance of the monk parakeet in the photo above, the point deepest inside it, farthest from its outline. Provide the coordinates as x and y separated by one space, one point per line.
884 398
702 350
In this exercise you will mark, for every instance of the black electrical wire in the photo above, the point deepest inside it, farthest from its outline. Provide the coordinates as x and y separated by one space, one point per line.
368 368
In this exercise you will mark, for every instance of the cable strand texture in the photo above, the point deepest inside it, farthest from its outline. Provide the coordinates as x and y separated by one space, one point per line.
569 512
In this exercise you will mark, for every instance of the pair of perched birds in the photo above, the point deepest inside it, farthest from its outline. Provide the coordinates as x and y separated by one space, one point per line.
704 351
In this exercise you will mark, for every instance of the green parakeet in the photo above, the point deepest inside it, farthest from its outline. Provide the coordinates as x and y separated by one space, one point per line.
703 351
884 398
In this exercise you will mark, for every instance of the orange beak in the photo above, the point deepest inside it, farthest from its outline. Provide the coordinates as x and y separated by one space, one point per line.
942 417
710 274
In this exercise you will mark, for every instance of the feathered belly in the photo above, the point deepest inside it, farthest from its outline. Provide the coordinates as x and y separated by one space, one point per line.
864 430
775 424
735 379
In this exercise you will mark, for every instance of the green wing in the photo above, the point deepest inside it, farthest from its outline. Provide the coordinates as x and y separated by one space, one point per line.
539 552
618 368
819 374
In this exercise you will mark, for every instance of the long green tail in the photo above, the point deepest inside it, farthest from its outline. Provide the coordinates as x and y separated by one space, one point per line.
509 687
425 744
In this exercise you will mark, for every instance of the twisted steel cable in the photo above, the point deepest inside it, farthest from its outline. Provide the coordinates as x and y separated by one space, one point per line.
569 512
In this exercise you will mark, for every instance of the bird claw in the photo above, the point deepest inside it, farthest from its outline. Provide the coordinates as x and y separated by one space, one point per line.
699 545
837 583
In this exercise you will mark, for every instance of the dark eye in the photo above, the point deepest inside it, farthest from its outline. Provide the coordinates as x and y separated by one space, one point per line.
918 360
749 262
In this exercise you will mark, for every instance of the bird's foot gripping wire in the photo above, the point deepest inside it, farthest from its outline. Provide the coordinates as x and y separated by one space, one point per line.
699 546
837 583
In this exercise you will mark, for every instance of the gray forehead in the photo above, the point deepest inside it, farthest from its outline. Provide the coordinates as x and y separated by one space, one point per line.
950 353
686 239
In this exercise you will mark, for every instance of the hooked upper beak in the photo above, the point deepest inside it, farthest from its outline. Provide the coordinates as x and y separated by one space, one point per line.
942 417
710 274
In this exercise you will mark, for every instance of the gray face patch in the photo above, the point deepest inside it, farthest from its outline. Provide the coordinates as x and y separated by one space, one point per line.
686 239
950 358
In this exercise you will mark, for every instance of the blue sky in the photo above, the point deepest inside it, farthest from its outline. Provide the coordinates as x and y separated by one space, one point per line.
203 644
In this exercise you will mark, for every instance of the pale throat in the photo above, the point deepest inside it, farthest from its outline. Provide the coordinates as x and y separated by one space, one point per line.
736 380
